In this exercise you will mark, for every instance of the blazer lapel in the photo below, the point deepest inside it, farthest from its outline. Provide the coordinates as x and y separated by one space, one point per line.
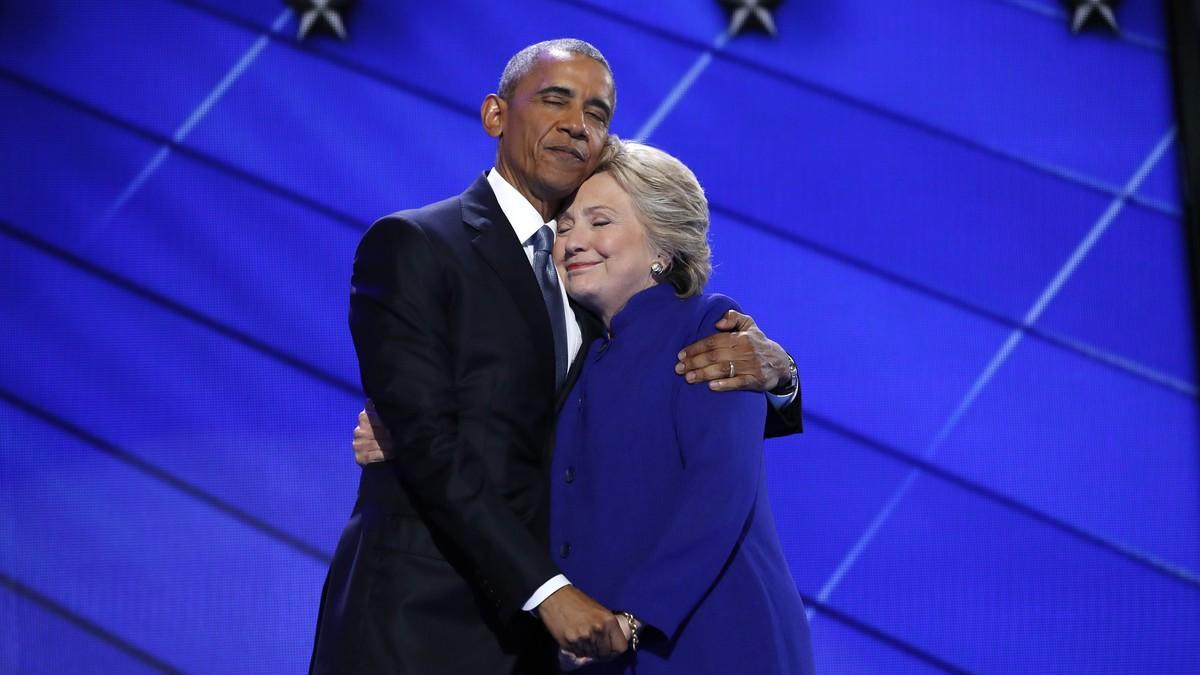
496 242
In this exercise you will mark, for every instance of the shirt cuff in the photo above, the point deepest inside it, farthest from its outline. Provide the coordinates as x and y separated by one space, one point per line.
546 590
781 401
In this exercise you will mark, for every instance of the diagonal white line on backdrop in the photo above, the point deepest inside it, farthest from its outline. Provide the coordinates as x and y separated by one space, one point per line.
194 118
1006 348
681 87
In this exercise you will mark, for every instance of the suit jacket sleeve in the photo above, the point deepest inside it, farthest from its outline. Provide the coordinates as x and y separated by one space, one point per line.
718 437
399 320
784 421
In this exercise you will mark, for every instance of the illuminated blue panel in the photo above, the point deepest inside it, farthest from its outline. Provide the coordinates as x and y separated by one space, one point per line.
243 427
825 489
36 640
840 649
997 74
1143 20
164 572
1132 297
65 167
370 148
1162 183
431 46
125 57
873 356
954 574
193 234
1111 453
698 22
887 194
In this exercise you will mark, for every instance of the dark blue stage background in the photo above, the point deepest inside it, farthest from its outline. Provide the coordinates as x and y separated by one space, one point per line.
961 219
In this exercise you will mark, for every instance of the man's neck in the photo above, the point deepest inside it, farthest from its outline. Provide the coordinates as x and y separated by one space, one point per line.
547 209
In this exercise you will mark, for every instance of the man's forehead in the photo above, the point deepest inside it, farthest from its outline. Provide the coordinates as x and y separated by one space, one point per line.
555 64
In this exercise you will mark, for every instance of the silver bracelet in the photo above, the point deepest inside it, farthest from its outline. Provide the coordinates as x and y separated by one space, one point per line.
635 627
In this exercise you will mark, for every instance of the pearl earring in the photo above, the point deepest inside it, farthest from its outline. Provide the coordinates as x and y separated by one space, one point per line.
656 268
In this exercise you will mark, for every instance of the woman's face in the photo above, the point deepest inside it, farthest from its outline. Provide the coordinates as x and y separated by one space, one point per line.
602 251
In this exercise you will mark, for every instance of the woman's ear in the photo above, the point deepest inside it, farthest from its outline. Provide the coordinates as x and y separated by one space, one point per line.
492 113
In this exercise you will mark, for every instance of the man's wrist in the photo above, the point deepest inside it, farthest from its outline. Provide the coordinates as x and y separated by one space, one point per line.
555 583
788 386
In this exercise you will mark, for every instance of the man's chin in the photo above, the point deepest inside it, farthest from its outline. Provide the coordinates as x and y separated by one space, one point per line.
563 185
567 175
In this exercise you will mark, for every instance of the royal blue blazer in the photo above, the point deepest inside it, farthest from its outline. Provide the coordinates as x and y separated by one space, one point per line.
659 504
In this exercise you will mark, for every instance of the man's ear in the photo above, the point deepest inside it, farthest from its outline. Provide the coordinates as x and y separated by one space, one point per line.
492 113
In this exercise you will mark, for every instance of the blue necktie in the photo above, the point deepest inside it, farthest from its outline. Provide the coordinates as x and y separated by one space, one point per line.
547 278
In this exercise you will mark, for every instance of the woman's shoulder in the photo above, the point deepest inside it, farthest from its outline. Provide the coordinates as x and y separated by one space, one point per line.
708 308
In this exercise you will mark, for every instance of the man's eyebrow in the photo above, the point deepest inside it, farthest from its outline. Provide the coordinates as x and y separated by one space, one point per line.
556 89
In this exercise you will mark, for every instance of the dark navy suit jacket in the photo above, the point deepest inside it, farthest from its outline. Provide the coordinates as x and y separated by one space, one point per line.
659 504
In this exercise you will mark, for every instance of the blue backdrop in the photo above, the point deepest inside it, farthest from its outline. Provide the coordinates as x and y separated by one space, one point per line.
962 220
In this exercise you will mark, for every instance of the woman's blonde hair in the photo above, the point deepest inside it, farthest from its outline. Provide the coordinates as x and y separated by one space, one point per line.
670 203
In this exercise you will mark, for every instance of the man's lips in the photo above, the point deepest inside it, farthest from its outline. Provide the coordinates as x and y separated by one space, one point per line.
569 151
576 266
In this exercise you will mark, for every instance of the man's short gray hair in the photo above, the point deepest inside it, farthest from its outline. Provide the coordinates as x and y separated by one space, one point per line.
523 61
671 205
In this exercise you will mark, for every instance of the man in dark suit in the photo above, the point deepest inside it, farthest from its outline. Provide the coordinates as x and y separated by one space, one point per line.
465 342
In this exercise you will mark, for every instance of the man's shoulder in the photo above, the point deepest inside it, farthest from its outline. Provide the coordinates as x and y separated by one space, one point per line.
435 216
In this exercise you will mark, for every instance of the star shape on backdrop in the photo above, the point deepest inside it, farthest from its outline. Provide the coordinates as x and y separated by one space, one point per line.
1085 12
746 10
326 12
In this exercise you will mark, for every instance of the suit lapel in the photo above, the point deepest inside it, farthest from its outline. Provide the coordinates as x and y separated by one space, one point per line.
496 242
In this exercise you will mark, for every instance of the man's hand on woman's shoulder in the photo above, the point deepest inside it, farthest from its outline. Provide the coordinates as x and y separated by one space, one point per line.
739 357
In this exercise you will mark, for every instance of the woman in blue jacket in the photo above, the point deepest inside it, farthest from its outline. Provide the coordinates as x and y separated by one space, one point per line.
659 504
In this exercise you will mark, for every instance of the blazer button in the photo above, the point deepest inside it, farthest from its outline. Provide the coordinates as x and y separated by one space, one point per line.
564 550
569 474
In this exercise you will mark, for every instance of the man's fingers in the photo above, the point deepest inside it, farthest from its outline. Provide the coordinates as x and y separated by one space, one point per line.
720 371
708 344
721 355
735 321
734 383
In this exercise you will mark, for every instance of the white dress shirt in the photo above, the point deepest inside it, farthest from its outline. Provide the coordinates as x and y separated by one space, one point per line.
525 222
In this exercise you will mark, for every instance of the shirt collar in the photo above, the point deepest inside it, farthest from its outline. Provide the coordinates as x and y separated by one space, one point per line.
525 219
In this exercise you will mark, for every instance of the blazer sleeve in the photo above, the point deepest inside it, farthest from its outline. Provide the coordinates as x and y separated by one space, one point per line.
398 318
718 435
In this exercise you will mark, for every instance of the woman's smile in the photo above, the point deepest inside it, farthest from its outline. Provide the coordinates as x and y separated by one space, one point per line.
580 266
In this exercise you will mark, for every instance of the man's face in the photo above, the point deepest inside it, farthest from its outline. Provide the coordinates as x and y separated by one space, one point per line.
555 123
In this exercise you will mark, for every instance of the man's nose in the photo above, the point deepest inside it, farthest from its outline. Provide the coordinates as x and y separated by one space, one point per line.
573 125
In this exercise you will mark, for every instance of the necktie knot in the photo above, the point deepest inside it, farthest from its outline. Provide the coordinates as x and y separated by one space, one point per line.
542 240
